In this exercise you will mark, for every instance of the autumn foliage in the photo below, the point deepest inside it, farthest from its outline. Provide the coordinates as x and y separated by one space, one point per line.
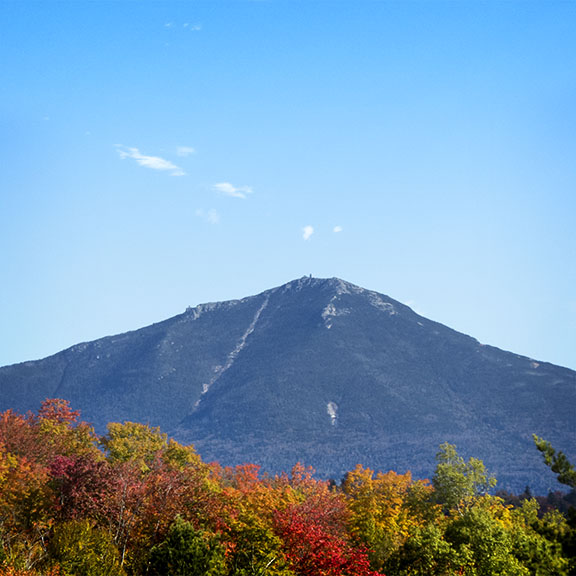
135 502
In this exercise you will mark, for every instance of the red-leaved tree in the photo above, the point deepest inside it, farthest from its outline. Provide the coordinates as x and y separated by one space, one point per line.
312 550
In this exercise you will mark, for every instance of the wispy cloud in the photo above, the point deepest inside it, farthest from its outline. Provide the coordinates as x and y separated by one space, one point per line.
210 216
186 26
184 151
337 229
152 162
307 232
227 189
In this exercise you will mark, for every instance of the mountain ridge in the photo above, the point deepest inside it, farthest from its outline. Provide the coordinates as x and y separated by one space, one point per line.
320 371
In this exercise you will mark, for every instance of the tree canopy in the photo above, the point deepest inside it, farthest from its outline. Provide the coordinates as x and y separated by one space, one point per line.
135 503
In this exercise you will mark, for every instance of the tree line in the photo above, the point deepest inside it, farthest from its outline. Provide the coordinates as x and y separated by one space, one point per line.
134 502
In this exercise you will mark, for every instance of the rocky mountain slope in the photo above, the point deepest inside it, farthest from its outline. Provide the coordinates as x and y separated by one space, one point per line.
318 371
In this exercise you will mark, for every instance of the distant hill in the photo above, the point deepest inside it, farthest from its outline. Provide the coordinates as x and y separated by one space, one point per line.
318 371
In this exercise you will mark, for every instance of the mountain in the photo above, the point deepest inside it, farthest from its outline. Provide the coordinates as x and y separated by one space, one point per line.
319 371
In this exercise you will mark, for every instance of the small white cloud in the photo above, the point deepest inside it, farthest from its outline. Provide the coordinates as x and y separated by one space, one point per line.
210 216
153 162
337 229
183 25
228 189
184 151
307 232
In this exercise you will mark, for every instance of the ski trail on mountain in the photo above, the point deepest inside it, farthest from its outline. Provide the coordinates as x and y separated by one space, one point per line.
230 359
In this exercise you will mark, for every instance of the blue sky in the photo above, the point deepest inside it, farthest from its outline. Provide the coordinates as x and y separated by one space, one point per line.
158 155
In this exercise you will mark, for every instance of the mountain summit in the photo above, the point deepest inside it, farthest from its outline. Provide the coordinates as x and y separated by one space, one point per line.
319 371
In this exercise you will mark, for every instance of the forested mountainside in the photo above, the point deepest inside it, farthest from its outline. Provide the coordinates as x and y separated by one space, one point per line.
318 371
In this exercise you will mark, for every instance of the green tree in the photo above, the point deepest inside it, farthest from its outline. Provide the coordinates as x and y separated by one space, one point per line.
557 462
458 483
483 541
188 552
564 533
425 553
537 541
